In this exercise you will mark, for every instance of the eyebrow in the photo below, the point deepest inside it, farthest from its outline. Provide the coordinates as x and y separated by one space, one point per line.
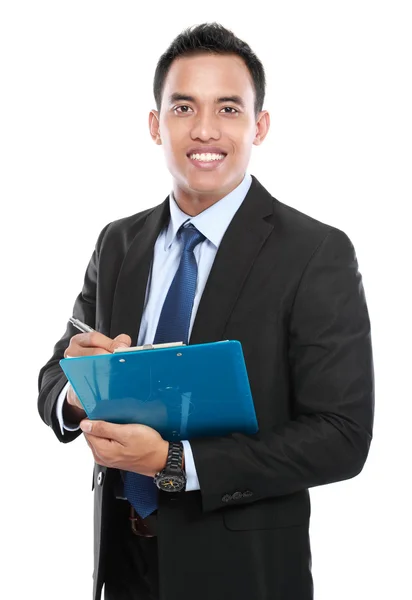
177 97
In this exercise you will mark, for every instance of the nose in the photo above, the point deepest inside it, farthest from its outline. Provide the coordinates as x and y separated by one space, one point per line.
206 127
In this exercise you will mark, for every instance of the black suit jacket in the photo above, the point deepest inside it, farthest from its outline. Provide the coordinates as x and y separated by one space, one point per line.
288 287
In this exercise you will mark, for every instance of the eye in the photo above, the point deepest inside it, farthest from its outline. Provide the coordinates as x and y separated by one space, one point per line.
182 106
231 108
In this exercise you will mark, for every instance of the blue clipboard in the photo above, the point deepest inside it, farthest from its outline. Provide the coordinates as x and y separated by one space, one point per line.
181 391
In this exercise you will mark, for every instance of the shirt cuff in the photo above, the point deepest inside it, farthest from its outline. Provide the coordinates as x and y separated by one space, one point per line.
59 411
192 482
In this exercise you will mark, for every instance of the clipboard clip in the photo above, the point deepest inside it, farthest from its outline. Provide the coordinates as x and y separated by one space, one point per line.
149 347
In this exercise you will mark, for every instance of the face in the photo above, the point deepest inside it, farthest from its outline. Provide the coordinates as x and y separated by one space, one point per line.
207 107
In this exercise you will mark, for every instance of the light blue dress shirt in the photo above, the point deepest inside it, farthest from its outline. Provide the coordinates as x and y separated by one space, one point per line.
213 223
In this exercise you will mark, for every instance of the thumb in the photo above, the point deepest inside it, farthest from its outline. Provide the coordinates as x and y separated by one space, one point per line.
122 341
111 431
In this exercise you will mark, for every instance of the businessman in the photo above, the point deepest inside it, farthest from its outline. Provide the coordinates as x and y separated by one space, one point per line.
220 258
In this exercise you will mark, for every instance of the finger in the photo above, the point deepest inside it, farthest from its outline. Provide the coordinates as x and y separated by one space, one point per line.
93 339
73 351
94 343
122 341
82 344
103 429
89 443
101 447
105 452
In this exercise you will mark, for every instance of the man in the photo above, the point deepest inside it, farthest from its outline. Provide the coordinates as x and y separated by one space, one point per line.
286 285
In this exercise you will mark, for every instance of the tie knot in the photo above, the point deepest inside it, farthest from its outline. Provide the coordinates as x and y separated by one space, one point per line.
191 237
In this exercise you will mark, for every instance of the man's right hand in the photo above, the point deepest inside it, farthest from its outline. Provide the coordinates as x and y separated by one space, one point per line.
88 344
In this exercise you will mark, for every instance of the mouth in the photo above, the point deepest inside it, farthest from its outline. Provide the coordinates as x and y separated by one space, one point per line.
208 161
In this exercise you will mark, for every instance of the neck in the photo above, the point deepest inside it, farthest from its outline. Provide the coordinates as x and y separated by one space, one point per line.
193 202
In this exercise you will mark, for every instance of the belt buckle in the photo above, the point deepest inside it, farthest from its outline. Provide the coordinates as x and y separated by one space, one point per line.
137 524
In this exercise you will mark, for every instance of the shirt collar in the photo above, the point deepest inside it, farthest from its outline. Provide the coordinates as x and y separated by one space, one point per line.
213 221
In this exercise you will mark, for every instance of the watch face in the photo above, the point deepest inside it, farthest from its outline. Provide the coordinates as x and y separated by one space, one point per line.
171 483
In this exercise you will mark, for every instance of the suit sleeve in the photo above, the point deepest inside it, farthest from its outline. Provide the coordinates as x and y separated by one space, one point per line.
52 379
332 394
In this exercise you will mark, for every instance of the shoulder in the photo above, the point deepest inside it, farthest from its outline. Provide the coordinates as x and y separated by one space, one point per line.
303 232
289 223
297 222
298 235
121 232
310 242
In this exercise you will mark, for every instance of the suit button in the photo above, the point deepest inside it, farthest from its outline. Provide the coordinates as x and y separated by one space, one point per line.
237 496
247 494
226 498
100 478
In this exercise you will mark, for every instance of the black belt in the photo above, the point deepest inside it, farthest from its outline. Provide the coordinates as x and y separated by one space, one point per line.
143 527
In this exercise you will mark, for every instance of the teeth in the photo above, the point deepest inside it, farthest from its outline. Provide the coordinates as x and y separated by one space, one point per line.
207 157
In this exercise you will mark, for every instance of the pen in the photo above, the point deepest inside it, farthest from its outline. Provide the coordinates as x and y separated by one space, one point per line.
80 325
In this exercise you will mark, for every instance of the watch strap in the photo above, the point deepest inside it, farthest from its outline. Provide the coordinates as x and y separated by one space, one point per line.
175 457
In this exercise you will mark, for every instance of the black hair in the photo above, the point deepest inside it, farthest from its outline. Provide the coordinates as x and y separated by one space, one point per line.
215 39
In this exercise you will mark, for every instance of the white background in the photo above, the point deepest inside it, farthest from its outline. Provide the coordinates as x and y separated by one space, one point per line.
76 91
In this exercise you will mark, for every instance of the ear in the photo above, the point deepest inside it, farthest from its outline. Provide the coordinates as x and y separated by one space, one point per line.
154 126
262 127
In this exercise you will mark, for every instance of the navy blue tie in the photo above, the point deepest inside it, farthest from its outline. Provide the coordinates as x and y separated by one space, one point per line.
173 326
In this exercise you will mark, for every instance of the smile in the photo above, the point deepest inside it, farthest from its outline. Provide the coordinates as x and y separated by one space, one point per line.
207 161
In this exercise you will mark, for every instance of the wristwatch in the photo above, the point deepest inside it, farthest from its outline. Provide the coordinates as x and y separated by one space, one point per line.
172 478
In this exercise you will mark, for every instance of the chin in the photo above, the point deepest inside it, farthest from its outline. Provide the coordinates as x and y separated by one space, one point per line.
204 186
206 182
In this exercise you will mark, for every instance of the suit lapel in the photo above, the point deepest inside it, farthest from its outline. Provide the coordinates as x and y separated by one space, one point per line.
241 244
237 252
130 292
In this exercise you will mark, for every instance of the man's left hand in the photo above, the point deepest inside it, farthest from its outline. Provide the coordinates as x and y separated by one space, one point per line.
133 447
